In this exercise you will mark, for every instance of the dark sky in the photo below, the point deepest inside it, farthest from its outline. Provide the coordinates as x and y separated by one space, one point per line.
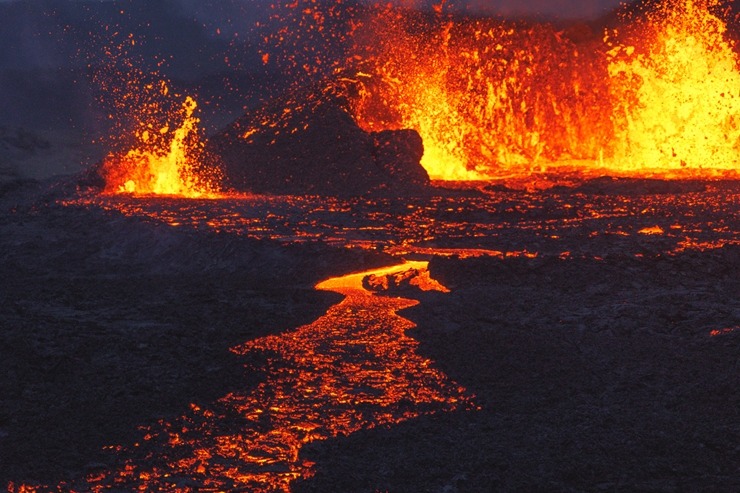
571 9
559 8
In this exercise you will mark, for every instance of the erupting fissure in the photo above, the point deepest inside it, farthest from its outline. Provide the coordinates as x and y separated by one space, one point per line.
498 99
495 99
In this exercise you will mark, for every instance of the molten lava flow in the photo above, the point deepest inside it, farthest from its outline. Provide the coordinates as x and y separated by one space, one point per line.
164 162
354 368
504 100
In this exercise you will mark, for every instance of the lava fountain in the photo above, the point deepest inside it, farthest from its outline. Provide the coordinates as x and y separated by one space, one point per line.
155 140
164 164
497 99
492 99
677 97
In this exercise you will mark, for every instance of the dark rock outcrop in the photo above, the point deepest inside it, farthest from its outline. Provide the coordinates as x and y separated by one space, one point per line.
398 153
310 144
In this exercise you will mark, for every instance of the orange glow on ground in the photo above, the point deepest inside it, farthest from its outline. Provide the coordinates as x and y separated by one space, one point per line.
505 224
461 253
724 332
354 368
652 230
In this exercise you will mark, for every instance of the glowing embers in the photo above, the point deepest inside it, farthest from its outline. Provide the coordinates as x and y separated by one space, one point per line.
652 230
164 161
462 253
724 332
354 368
677 100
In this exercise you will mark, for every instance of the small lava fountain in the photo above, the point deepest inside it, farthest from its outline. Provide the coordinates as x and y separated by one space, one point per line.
164 164
155 141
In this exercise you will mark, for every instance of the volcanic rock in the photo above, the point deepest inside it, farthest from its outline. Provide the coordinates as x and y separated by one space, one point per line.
608 185
310 144
395 282
398 153
17 145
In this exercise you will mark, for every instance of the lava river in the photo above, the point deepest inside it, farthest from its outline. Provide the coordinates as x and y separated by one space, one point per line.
353 368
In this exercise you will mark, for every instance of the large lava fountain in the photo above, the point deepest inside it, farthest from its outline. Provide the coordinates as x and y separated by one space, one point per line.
496 99
493 99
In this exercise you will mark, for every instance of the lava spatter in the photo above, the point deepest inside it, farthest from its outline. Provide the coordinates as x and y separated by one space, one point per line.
500 99
164 164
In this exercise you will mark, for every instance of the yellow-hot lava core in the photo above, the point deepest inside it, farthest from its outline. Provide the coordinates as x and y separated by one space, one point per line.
495 99
677 100
164 162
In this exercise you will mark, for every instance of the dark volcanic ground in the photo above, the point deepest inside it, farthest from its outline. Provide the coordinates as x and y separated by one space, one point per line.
594 370
591 376
108 323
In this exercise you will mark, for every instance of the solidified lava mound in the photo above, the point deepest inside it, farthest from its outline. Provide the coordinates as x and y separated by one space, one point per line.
310 144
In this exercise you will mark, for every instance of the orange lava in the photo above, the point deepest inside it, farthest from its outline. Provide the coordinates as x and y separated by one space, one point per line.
494 99
529 104
724 332
676 94
461 253
164 162
652 230
354 368
155 141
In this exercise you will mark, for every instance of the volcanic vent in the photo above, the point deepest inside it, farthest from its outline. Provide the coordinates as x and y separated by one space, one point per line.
655 95
168 334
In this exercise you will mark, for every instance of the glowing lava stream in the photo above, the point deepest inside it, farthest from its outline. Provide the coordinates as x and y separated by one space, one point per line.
353 368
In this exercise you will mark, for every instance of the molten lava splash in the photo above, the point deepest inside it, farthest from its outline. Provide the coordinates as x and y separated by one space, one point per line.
497 99
165 162
677 100
154 139
354 368
489 98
